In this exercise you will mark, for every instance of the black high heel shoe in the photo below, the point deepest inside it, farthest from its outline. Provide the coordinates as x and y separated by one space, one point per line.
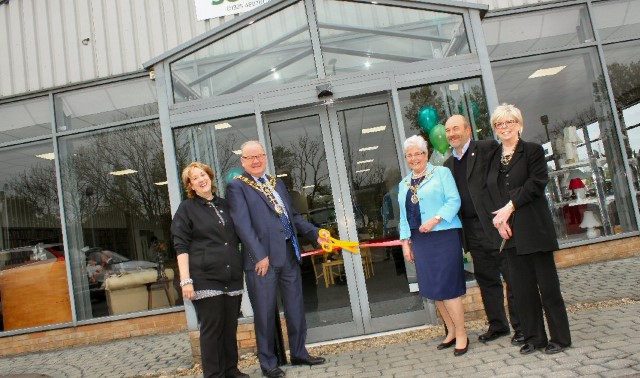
459 352
442 346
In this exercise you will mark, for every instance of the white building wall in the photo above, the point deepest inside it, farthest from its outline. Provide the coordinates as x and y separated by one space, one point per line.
41 41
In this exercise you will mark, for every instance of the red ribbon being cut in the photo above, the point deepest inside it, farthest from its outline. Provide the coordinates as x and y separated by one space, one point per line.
375 243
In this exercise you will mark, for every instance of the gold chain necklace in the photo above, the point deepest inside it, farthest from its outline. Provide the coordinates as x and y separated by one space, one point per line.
414 188
505 159
265 189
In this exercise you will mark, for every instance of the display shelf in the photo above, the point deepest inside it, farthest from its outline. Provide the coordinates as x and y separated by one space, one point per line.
567 167
585 201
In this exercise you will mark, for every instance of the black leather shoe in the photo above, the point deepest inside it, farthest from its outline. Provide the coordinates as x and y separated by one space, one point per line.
518 338
553 348
449 344
310 360
275 372
235 373
529 348
459 352
492 335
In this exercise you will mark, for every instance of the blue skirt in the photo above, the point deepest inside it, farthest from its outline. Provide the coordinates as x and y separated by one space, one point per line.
438 259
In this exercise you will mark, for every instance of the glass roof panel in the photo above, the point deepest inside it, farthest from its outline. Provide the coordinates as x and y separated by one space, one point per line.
537 31
360 37
617 19
275 49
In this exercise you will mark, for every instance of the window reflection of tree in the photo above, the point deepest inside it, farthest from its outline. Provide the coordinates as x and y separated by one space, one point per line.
136 195
36 189
305 159
225 143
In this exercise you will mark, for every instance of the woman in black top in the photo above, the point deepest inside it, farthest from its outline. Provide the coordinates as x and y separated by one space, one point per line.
516 180
210 266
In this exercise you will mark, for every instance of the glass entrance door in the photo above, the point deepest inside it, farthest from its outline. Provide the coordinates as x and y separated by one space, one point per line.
341 165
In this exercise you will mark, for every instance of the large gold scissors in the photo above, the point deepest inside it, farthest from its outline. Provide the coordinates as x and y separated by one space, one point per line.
332 243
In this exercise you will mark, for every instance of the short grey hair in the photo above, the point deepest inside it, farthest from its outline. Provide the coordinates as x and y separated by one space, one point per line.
251 142
416 141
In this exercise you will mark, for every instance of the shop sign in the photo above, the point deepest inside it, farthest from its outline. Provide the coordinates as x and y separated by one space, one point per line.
206 9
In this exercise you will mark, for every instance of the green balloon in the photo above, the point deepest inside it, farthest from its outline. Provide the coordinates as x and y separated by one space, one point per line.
438 138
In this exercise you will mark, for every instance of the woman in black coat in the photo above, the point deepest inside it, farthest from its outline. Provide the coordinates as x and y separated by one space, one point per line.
516 181
210 266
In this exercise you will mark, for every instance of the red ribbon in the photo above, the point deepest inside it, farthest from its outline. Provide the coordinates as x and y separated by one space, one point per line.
377 243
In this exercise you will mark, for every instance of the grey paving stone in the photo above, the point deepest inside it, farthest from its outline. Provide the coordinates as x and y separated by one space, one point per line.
590 369
562 374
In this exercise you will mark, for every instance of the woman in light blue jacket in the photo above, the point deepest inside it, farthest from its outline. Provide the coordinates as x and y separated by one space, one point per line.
431 239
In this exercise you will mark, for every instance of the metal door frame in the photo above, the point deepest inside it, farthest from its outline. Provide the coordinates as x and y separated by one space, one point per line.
362 322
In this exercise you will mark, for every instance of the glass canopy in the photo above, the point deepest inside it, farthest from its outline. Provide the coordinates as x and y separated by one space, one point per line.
353 37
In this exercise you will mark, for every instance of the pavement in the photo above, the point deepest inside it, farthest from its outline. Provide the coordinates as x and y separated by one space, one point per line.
604 314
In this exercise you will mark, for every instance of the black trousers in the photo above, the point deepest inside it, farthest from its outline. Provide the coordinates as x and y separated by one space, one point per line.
488 265
218 318
536 286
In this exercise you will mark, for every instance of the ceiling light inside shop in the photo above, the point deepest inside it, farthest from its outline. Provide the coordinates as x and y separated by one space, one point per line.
161 183
220 126
282 175
547 72
363 149
365 161
453 87
374 129
363 170
123 172
47 156
308 186
238 152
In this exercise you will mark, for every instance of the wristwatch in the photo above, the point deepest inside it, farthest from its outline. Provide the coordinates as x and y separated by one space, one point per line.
438 218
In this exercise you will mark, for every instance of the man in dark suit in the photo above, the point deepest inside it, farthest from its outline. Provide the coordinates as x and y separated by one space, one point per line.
468 164
268 225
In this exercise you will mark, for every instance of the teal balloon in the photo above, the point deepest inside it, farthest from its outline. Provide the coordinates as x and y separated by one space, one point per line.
233 172
427 118
438 138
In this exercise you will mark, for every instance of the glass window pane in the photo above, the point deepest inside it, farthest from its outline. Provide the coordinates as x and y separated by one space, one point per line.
106 104
301 163
118 219
360 37
445 99
565 108
373 172
537 31
216 144
623 66
33 274
617 19
274 50
25 119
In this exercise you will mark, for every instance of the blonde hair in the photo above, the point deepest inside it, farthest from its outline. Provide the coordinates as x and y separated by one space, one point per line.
186 178
507 110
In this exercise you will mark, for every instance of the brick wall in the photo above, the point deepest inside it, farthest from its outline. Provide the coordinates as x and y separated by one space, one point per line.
176 322
587 254
93 333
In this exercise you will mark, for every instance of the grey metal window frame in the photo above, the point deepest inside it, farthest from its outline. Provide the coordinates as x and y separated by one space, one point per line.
598 44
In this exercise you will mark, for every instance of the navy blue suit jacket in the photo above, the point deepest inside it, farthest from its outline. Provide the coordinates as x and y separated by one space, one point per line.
258 225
